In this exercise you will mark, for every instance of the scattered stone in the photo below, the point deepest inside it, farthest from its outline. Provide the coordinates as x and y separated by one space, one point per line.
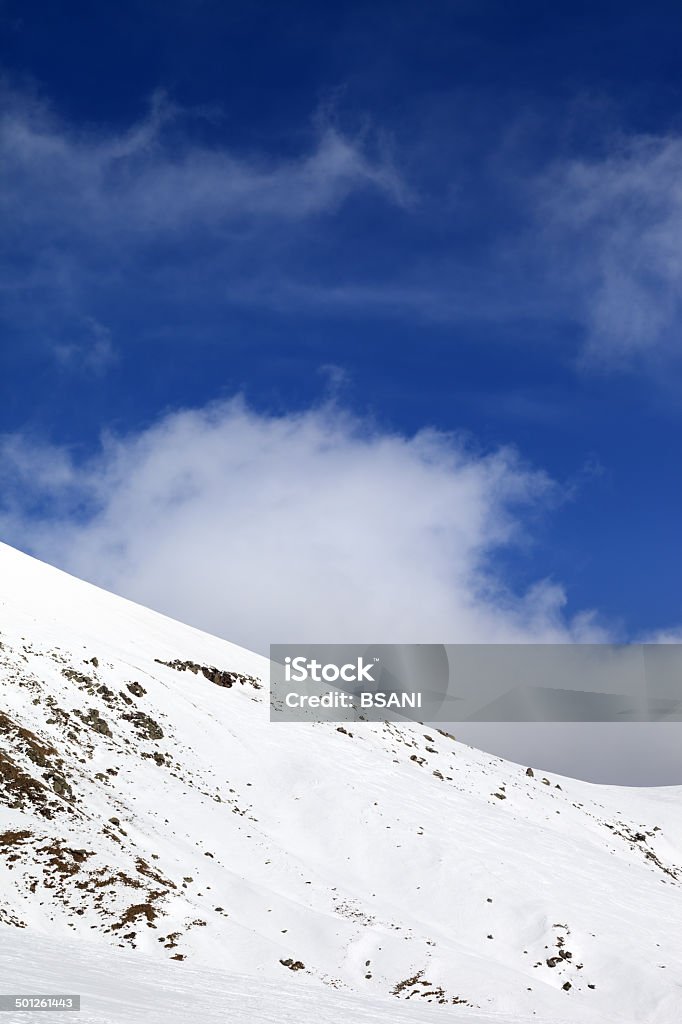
97 724
293 965
144 725
59 785
76 677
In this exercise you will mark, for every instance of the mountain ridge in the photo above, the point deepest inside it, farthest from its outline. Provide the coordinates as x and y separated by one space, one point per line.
148 805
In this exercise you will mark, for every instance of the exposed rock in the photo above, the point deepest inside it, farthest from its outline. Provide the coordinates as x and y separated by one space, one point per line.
18 789
293 965
93 720
144 725
218 676
76 677
59 785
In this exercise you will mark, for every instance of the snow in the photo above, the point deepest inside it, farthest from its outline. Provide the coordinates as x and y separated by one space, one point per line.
118 987
413 877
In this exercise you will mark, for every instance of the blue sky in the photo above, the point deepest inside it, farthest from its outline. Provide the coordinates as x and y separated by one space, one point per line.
463 218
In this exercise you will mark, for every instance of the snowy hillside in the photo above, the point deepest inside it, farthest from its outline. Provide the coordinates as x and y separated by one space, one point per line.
158 834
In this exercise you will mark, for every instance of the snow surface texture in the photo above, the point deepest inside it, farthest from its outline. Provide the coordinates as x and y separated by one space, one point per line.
162 841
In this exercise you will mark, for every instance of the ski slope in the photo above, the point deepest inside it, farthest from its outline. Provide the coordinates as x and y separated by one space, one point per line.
161 840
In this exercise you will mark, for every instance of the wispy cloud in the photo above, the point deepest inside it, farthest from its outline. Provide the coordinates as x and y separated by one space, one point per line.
315 525
613 226
149 178
89 348
93 212
93 215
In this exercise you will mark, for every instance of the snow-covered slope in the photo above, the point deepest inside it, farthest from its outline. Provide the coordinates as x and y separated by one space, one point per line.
154 826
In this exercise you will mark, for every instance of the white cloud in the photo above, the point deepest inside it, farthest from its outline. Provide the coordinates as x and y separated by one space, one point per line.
90 350
614 228
150 179
313 527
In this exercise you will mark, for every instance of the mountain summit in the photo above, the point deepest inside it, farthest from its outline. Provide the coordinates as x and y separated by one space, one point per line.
159 836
